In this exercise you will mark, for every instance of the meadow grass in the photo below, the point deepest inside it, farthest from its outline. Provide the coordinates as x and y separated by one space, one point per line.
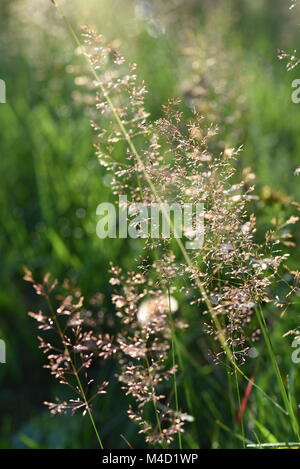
49 172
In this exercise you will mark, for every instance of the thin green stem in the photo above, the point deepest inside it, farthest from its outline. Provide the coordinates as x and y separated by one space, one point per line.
239 404
285 398
154 401
236 435
173 340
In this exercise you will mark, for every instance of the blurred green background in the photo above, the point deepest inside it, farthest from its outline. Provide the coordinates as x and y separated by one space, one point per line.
220 56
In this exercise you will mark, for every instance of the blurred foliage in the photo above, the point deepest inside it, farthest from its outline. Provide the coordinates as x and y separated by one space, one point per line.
51 183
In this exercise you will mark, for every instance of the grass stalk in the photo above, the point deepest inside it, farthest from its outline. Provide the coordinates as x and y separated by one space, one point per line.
74 370
173 346
284 394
